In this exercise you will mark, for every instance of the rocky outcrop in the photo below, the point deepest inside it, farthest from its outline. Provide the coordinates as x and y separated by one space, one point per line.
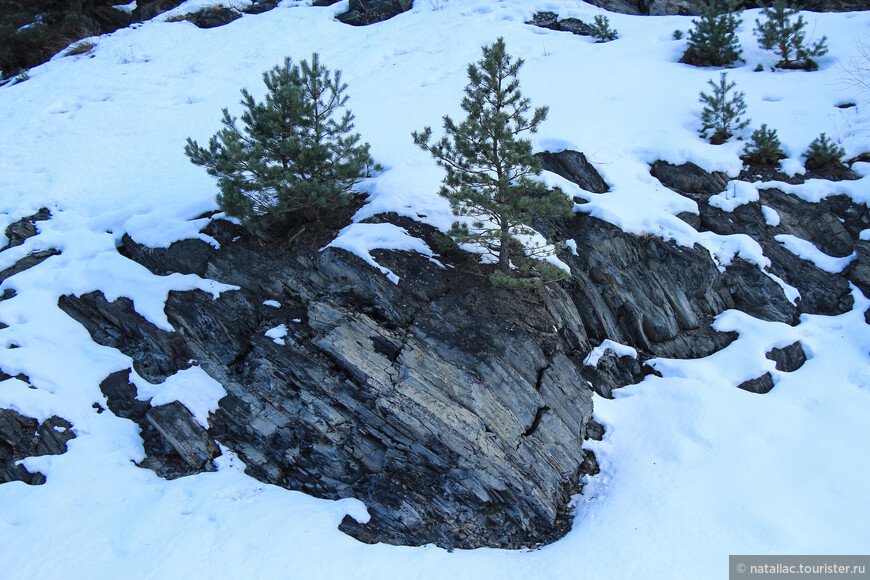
788 359
832 225
694 7
552 21
456 411
573 166
363 12
22 437
213 17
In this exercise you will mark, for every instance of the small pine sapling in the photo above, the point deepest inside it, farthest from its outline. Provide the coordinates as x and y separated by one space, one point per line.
601 30
764 148
722 115
295 155
785 37
822 153
713 41
490 171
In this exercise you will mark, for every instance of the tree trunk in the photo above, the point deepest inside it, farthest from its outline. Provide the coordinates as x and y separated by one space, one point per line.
504 259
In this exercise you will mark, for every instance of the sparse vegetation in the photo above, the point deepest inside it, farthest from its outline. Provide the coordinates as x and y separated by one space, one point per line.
83 47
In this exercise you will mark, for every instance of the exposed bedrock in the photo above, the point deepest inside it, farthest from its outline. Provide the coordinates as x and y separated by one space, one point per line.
457 412
833 225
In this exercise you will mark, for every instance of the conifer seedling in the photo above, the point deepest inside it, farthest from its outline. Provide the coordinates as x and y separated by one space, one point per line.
713 41
601 30
823 152
722 114
764 148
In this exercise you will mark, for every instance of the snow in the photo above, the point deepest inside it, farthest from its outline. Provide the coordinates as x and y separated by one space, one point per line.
693 469
361 238
272 303
808 251
771 216
192 387
277 334
606 345
736 194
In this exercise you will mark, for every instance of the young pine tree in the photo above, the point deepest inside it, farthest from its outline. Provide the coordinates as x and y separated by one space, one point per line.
722 115
295 155
490 169
823 152
601 30
786 37
713 41
764 148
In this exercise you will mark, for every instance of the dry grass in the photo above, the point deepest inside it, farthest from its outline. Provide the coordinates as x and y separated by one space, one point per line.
83 47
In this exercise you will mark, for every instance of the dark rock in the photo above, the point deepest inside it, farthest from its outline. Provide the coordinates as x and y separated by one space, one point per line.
576 26
832 172
594 430
859 270
545 20
22 437
27 262
260 6
832 224
213 17
324 2
147 10
363 12
456 411
161 456
789 358
178 428
760 386
695 7
689 179
25 228
573 166
757 294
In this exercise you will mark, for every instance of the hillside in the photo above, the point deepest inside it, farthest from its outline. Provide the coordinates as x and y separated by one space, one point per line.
120 277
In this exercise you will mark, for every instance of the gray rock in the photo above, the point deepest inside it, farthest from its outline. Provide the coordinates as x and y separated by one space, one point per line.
22 437
545 20
575 26
364 12
27 262
760 386
456 411
213 17
24 228
187 437
789 358
573 166
689 179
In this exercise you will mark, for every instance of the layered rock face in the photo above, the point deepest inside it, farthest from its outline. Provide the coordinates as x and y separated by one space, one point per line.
456 411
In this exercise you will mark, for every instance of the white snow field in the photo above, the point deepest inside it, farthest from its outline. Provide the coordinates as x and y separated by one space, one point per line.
693 469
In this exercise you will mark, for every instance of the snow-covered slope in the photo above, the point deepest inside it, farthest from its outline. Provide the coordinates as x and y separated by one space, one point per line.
693 469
